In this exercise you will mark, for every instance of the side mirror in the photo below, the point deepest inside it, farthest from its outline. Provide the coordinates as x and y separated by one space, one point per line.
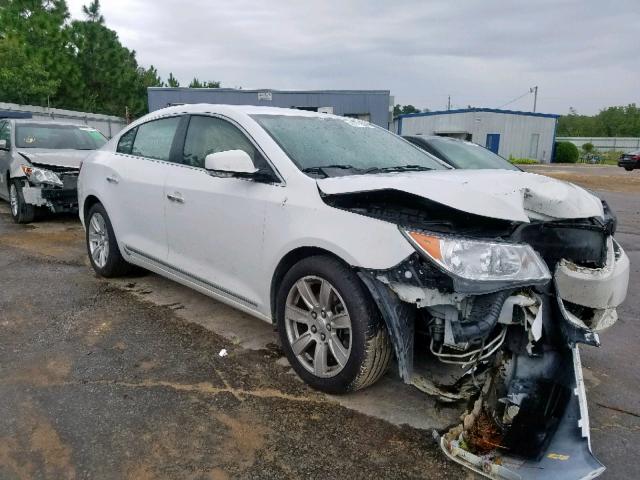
3 145
230 162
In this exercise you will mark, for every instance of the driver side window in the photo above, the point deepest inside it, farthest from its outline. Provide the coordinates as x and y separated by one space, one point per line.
207 135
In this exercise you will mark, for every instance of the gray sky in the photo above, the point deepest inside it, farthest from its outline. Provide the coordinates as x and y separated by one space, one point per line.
483 53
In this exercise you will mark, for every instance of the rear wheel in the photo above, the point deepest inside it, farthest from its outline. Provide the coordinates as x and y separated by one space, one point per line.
330 328
102 245
628 169
21 212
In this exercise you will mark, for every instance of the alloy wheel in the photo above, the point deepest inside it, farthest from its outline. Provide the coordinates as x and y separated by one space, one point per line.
13 200
318 326
98 240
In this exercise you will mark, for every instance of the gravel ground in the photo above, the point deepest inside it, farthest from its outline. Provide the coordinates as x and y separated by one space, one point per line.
595 177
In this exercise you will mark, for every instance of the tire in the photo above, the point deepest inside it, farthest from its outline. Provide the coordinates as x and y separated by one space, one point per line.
102 246
366 349
21 212
628 169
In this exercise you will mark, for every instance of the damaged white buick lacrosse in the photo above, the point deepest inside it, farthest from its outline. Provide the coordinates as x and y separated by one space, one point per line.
362 249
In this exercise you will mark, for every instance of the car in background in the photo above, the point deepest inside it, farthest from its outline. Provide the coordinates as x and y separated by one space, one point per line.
40 162
460 153
361 247
630 160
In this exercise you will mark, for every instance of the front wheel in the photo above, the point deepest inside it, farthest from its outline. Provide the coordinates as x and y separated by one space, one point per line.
330 328
21 211
102 246
628 169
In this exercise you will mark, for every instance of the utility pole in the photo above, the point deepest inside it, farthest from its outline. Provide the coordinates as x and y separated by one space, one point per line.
534 90
449 103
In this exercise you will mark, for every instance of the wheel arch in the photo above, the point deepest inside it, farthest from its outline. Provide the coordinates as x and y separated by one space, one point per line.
89 202
288 261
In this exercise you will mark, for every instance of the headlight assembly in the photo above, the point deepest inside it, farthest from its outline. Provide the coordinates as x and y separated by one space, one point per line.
481 266
39 176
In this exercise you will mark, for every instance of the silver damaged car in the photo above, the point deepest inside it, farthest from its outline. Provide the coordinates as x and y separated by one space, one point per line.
40 162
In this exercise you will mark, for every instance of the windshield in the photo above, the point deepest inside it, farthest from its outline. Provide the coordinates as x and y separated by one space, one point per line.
339 146
469 155
58 137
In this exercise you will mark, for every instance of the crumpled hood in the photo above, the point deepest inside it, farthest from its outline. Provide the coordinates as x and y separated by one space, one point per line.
503 194
58 158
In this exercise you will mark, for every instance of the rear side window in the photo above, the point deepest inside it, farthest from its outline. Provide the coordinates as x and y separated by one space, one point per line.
5 132
211 135
125 144
154 138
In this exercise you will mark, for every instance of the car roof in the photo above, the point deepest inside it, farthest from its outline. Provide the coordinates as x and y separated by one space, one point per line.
238 109
33 121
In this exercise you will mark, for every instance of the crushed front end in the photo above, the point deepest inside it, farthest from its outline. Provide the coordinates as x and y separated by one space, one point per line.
52 187
491 313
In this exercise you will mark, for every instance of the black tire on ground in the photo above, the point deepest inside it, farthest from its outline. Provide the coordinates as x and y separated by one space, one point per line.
25 213
115 265
628 169
371 350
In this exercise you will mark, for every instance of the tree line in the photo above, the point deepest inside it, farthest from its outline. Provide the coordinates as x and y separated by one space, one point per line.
622 121
47 59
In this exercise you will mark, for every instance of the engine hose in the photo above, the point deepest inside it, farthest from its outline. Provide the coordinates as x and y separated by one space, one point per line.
483 317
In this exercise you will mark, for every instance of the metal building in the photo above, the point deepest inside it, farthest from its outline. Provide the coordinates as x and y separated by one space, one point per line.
371 105
506 132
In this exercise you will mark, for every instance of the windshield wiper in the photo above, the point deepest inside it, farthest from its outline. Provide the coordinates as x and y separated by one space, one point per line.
399 168
321 169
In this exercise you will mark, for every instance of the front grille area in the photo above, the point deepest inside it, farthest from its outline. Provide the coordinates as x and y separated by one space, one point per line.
583 244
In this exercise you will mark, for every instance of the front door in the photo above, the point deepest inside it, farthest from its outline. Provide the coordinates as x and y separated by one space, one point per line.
493 142
214 224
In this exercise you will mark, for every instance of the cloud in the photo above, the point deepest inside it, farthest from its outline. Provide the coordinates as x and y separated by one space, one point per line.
482 53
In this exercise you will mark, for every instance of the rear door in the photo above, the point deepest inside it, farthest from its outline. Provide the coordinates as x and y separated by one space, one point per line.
215 225
135 181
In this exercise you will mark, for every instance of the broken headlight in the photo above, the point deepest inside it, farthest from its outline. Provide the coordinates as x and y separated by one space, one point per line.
39 176
478 266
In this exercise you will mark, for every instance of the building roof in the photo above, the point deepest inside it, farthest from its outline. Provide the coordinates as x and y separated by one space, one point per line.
264 90
467 110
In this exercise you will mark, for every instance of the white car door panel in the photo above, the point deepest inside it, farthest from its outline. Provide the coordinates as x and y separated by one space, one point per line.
215 231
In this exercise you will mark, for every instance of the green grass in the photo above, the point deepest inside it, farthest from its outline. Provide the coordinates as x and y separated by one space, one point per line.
606 158
522 161
610 158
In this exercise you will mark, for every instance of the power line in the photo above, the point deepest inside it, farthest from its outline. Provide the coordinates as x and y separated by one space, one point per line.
515 99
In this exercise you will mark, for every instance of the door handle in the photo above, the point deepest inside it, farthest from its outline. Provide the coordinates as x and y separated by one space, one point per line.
113 180
175 197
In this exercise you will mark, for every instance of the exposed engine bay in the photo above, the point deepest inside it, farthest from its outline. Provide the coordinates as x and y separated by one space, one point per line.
506 345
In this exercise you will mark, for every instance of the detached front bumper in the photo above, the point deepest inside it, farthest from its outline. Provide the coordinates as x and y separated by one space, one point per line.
568 454
589 296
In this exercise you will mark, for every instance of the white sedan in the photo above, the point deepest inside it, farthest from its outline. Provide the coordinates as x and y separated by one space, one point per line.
362 249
